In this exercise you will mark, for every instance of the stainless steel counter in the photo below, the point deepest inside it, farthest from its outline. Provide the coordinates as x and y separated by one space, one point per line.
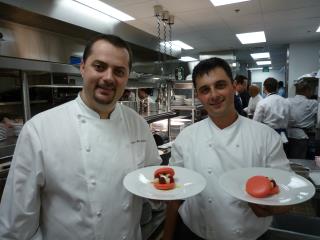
311 164
7 148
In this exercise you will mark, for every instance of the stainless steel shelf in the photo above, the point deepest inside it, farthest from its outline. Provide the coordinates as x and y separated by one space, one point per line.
153 117
186 107
55 86
17 103
183 85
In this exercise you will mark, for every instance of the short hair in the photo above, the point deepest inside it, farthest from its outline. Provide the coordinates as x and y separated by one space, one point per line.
303 88
112 39
240 79
254 90
271 85
205 66
280 84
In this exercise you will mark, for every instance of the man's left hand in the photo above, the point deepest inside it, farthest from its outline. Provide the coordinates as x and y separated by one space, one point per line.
265 211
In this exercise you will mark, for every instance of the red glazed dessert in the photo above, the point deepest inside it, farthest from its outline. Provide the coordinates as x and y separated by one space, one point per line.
261 186
163 178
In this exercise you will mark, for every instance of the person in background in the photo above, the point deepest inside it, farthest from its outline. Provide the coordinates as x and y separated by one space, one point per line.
254 92
144 94
65 180
145 99
281 90
128 96
273 110
302 120
241 97
224 141
242 88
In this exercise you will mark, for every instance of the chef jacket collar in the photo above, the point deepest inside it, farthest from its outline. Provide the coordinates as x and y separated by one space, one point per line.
234 124
88 112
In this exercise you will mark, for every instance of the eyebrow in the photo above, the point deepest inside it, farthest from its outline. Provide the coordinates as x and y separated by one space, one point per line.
217 82
106 64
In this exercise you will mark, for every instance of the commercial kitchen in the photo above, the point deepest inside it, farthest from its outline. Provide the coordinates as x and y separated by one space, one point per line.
41 47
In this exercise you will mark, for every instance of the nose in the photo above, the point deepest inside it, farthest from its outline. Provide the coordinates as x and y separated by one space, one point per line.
108 74
213 92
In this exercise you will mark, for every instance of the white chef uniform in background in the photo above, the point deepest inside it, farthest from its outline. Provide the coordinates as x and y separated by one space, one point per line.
78 177
211 151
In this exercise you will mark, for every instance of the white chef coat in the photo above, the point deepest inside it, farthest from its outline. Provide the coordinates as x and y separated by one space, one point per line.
253 101
303 114
273 110
211 151
65 180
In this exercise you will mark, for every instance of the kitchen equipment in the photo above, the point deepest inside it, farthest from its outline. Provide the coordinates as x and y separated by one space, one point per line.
131 104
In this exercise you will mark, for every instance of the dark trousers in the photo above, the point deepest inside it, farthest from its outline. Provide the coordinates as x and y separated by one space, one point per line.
297 148
182 232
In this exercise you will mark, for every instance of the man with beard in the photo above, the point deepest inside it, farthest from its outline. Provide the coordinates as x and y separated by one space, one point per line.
65 180
222 142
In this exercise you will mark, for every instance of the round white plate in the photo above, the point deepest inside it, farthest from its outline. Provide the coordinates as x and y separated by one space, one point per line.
188 184
293 188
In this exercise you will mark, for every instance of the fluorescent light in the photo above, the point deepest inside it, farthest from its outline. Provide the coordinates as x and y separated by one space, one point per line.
106 9
263 63
188 59
177 44
254 69
233 64
257 68
253 37
225 2
318 30
260 55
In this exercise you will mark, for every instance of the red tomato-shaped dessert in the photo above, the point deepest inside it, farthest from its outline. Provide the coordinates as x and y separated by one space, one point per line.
261 186
163 178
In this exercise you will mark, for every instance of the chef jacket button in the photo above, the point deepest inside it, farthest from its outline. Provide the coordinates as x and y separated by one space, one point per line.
88 149
124 237
93 182
237 145
210 170
83 121
210 200
125 206
237 231
99 213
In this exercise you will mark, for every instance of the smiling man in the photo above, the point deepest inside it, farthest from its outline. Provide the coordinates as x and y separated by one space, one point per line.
222 142
65 180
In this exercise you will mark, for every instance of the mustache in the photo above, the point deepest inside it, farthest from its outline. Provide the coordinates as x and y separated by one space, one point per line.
107 85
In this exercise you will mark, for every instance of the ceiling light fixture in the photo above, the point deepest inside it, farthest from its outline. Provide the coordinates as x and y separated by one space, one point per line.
258 68
188 59
263 63
318 30
226 2
260 55
177 44
253 37
106 9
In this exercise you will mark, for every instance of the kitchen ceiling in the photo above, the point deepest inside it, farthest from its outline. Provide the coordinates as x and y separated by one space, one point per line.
211 29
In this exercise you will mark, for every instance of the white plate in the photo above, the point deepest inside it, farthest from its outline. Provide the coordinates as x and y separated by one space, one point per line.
188 184
293 188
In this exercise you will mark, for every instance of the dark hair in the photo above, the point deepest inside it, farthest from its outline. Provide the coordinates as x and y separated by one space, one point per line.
114 40
205 66
271 85
240 79
303 88
280 84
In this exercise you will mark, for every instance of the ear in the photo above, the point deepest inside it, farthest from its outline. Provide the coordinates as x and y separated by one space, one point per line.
82 67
